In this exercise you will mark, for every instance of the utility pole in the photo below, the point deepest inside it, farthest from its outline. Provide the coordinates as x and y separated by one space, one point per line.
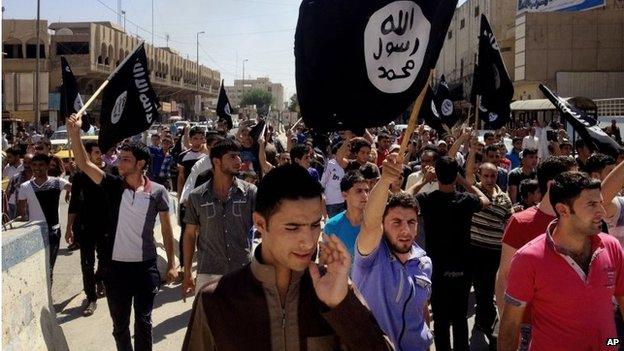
167 39
243 93
197 46
119 12
152 28
37 55
123 13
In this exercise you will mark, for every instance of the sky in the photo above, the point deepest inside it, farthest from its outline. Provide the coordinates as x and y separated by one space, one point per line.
262 32
259 31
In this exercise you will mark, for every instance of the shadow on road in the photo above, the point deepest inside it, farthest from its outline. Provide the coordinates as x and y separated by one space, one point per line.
171 325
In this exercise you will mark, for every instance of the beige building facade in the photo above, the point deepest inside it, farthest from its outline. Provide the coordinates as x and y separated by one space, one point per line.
93 50
574 53
235 92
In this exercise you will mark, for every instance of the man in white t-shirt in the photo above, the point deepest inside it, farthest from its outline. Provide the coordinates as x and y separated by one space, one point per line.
614 203
531 141
334 202
39 201
13 165
427 159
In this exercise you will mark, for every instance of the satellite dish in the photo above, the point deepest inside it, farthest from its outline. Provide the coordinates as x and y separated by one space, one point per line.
64 31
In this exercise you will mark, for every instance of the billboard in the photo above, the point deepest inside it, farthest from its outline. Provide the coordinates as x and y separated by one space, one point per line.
557 5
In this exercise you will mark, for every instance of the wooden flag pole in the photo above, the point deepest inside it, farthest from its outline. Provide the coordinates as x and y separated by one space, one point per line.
92 98
411 125
295 125
478 103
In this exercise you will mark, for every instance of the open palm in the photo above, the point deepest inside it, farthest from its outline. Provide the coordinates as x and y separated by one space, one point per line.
331 288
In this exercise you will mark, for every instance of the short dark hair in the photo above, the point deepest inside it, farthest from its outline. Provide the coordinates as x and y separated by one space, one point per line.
404 200
336 147
13 151
492 148
579 144
350 179
568 186
488 135
139 151
298 151
196 130
41 157
222 147
383 135
213 137
446 170
288 182
45 141
90 144
516 139
370 171
359 143
552 166
529 151
527 186
598 162
433 153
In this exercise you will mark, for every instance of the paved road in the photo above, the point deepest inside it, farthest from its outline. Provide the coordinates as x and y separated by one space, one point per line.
170 316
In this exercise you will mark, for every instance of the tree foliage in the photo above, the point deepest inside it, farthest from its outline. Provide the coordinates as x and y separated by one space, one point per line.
258 97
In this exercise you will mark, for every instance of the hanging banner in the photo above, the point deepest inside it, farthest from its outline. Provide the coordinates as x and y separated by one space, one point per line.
557 5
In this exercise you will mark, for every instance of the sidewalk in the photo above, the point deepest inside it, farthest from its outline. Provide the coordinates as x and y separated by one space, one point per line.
170 316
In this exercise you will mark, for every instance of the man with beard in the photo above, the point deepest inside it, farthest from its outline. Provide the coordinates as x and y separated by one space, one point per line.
569 275
281 300
390 270
221 212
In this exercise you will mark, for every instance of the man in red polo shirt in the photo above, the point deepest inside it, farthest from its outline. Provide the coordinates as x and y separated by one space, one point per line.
569 275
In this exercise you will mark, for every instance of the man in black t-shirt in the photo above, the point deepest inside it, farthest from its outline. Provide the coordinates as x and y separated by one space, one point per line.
447 216
186 161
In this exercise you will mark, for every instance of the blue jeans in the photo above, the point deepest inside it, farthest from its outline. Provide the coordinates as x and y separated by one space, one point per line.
335 209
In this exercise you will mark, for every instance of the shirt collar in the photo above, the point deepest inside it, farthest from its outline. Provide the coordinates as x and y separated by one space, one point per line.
147 187
237 183
596 242
416 252
266 273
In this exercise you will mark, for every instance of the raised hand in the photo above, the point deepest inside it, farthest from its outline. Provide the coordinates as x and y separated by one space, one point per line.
392 169
332 287
74 123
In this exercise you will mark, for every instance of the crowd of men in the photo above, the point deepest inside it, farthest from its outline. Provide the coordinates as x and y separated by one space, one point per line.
321 241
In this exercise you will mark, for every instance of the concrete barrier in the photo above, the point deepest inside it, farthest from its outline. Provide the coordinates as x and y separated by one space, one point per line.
28 315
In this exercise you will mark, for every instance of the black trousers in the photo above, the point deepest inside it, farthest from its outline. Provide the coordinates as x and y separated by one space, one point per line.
182 228
91 243
449 303
54 241
128 283
485 264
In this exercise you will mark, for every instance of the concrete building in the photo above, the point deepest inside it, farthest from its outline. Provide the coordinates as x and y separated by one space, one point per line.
235 92
93 49
574 53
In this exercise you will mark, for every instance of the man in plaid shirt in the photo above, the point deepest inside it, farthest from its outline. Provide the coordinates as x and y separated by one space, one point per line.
164 176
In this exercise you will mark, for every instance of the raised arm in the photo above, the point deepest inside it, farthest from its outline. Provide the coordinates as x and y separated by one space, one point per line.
372 228
264 164
343 153
611 185
80 154
459 141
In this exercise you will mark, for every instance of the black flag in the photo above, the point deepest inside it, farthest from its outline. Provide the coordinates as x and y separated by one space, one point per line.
584 125
491 80
129 103
429 113
71 102
444 104
361 64
224 109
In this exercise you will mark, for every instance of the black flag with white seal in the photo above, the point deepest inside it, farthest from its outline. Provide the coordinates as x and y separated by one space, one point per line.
586 126
129 103
444 104
361 64
430 114
491 80
224 109
71 101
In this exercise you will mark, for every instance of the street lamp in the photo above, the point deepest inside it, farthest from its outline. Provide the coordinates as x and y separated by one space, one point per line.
123 13
243 93
197 37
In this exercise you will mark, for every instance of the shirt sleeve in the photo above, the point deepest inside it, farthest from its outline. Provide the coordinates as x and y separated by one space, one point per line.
191 215
474 202
368 260
63 182
162 200
74 201
22 191
521 281
513 179
617 220
512 235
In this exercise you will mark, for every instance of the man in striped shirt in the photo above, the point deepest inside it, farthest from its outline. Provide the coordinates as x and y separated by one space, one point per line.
486 233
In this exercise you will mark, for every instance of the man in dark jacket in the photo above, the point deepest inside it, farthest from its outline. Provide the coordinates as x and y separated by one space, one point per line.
280 301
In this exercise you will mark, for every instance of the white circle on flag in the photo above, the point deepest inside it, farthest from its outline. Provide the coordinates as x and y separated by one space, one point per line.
118 109
447 107
434 110
492 116
395 41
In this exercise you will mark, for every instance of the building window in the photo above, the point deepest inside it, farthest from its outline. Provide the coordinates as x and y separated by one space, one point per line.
77 48
461 69
450 34
12 50
477 13
31 51
462 23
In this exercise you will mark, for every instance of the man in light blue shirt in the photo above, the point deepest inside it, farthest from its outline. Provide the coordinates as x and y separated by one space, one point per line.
390 270
346 224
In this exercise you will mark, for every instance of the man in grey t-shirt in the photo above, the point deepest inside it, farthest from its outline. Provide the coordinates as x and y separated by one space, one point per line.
220 212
